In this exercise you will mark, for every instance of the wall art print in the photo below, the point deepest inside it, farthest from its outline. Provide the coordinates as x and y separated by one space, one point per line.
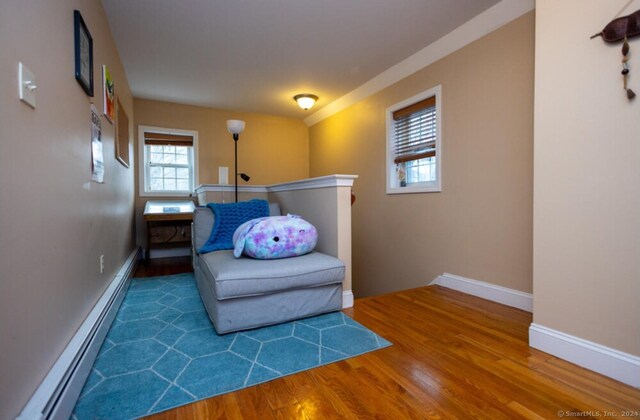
83 49
109 95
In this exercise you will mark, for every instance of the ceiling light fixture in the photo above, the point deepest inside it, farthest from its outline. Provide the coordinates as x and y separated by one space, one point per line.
305 100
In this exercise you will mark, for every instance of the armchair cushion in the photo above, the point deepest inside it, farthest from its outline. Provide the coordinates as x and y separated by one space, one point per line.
232 277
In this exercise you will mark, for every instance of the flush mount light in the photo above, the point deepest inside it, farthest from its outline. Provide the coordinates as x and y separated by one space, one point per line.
305 100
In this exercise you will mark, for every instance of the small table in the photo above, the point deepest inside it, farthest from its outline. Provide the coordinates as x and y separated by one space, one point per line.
172 213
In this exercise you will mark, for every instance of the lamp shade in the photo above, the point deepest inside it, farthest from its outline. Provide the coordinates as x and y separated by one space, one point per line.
305 100
235 126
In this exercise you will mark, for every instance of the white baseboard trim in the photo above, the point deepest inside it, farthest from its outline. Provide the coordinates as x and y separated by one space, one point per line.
57 394
623 367
347 299
499 294
170 252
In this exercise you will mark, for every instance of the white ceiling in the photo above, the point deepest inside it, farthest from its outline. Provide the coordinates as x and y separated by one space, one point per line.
255 55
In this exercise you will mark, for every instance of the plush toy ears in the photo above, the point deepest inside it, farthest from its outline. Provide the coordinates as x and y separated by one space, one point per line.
240 235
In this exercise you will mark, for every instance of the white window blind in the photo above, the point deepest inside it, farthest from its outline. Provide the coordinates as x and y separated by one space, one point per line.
164 139
415 131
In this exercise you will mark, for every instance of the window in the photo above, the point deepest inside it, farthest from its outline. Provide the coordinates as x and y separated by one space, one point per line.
168 166
414 137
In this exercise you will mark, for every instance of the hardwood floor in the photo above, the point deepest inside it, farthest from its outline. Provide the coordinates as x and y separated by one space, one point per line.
453 356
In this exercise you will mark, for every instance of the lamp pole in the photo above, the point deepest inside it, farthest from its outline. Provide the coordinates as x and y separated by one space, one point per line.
235 127
235 167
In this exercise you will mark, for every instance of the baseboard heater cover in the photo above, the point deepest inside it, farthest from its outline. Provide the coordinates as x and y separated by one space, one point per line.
57 394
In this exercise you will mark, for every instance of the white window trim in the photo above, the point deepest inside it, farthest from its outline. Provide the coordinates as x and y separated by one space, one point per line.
142 189
435 186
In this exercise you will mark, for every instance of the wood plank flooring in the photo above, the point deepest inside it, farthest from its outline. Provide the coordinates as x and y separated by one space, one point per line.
454 356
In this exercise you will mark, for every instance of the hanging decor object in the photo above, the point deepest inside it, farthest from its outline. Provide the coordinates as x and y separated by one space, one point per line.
625 68
621 29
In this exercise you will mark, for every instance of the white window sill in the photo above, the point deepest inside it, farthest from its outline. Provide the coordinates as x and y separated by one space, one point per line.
414 190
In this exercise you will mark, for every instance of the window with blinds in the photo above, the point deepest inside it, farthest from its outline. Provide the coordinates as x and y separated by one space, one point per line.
413 144
169 163
415 131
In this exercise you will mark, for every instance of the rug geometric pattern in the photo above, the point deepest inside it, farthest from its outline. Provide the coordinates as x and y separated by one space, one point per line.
162 351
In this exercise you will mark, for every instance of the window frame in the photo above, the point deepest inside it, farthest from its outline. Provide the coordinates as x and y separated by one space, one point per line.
391 177
144 167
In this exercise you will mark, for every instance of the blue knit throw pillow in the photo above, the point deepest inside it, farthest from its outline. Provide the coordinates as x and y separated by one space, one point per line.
228 217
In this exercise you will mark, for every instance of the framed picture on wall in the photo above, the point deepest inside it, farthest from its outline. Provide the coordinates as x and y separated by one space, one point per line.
83 53
109 95
122 135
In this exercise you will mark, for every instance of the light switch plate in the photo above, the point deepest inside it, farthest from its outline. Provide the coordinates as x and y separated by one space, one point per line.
27 85
223 175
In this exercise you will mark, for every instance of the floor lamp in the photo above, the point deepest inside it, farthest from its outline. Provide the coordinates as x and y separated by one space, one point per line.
236 127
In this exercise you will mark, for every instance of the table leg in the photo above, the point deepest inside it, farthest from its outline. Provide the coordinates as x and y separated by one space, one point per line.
148 252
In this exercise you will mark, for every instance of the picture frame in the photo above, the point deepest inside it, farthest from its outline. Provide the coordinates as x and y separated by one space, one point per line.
122 135
83 47
109 95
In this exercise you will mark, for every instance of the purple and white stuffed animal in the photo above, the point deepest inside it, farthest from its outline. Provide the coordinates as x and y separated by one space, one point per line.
275 237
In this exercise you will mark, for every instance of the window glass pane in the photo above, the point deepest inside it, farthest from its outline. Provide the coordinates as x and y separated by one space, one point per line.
412 174
155 172
181 150
182 159
156 184
169 158
156 157
156 149
169 184
169 149
421 170
182 185
169 172
182 173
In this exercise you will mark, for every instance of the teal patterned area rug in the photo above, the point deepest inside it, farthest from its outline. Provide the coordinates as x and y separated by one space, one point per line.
162 352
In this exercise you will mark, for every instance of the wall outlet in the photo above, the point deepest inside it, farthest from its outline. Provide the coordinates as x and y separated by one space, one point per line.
101 263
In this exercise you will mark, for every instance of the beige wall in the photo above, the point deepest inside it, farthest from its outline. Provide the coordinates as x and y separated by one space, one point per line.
587 177
54 222
270 150
480 225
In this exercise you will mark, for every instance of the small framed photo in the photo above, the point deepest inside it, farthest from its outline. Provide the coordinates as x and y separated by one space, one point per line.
109 95
83 53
